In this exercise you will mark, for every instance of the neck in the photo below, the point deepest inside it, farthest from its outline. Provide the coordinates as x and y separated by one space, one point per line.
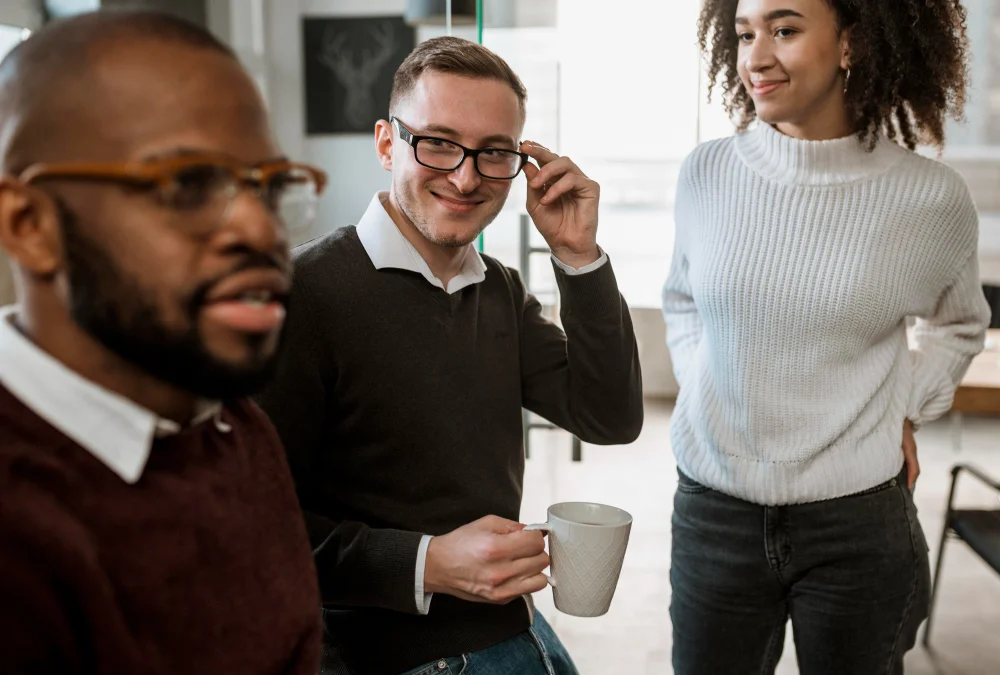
809 132
50 327
445 262
829 122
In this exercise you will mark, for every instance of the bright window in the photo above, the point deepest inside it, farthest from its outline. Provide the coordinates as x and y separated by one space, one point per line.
619 92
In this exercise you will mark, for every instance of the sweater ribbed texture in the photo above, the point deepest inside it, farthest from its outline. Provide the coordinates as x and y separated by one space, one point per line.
796 265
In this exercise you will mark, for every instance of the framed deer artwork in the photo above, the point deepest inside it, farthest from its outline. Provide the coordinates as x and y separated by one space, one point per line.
349 64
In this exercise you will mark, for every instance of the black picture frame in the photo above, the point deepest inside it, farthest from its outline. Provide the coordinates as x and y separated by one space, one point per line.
349 66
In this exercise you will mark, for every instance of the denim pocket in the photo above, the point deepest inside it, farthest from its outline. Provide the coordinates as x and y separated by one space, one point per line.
543 654
916 530
689 485
888 485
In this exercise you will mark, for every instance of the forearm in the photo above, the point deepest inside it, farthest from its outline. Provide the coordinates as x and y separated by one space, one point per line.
945 344
359 566
939 363
586 379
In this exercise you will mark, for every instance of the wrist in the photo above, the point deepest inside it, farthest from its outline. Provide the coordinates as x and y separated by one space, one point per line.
433 577
577 258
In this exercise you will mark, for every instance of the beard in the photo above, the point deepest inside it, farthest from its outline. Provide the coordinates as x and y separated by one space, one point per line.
409 205
118 312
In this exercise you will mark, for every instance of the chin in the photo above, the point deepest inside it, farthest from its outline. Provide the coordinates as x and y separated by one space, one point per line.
454 239
246 359
451 233
769 114
243 351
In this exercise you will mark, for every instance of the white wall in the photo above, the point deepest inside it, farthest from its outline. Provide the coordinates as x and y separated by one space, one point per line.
348 159
23 13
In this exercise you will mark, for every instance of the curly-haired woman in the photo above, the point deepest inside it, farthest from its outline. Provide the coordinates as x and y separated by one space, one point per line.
803 244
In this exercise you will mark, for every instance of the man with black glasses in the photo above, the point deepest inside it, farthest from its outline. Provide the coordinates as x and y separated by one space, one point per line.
410 357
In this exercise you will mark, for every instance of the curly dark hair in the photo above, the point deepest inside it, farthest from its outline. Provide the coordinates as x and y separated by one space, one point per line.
908 65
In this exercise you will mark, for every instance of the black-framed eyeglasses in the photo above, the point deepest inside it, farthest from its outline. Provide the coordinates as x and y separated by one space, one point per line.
444 155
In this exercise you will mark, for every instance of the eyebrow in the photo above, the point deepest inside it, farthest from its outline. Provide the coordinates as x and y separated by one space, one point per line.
488 141
773 16
197 152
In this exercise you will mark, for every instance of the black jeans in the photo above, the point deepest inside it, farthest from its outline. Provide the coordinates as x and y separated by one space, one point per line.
851 573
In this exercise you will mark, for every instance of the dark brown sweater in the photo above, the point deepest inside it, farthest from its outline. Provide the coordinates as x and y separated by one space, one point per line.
400 409
202 567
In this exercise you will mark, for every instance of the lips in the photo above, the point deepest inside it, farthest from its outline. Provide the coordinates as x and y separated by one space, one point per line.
456 204
259 283
252 301
765 87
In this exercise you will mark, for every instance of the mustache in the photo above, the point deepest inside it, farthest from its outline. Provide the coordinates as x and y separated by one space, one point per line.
251 261
450 193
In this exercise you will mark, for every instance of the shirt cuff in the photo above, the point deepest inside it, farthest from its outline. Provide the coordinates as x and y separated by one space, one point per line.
572 271
423 599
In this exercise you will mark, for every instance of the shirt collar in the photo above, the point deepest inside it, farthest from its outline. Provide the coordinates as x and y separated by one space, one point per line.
111 427
388 248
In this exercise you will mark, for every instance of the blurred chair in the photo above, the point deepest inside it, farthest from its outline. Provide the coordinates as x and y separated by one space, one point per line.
979 528
992 294
527 419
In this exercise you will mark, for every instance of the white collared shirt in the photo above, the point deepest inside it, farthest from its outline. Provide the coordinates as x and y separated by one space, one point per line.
114 429
388 248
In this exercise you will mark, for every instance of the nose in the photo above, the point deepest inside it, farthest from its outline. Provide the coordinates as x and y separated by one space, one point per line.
465 178
251 225
759 56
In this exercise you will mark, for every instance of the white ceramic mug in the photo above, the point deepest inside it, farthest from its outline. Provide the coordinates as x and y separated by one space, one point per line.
587 544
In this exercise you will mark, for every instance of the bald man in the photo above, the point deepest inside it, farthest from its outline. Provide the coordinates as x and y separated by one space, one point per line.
148 522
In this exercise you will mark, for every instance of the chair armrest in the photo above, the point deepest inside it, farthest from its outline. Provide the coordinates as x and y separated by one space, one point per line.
977 473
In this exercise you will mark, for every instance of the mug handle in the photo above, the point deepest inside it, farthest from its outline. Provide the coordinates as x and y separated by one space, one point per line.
546 528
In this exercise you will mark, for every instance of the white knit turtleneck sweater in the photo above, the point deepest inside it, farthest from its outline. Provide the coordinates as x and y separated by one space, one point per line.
796 264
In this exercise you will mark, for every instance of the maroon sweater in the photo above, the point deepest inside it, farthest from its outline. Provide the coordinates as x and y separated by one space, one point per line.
203 566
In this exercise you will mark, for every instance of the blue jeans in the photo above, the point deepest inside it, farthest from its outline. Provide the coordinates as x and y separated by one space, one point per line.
536 651
852 574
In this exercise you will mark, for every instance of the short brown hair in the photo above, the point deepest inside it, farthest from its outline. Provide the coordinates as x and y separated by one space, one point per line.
458 57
